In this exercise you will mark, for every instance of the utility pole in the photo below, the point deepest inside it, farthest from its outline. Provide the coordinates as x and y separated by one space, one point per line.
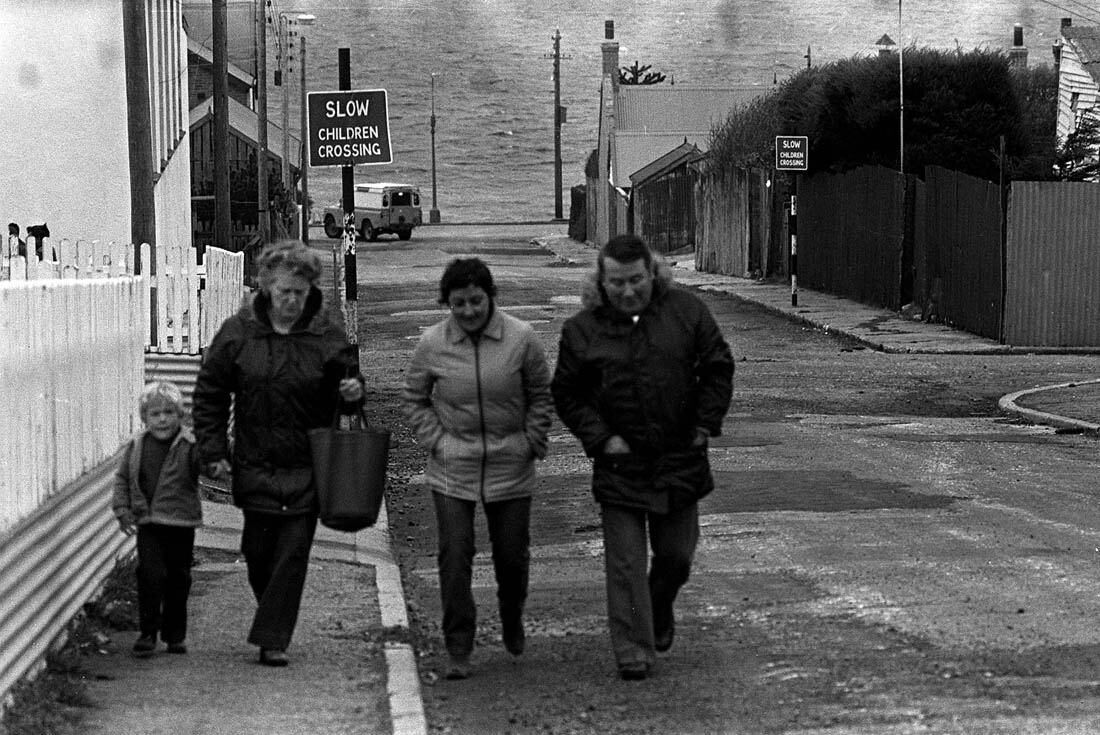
142 209
223 224
433 213
558 115
303 164
262 213
351 286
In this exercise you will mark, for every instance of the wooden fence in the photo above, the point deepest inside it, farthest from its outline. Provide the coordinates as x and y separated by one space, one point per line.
72 365
187 302
72 358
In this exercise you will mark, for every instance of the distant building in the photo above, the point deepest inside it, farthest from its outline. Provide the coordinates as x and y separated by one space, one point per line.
200 71
1078 55
640 123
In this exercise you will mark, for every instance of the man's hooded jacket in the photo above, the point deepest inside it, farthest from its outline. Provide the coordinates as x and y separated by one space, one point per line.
653 381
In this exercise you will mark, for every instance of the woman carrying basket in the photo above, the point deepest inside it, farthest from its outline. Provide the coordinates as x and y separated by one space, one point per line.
286 364
477 392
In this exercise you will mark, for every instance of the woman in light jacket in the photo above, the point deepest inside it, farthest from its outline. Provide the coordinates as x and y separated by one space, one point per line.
478 394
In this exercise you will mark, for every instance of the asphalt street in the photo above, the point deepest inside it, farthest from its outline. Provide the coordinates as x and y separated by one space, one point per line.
888 550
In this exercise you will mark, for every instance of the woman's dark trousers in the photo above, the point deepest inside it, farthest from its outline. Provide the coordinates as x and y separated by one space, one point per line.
164 579
509 535
276 549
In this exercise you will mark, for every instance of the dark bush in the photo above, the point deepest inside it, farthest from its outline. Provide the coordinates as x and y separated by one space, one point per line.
958 107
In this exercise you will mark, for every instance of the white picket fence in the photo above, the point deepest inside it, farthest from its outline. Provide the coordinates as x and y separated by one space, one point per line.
71 366
187 302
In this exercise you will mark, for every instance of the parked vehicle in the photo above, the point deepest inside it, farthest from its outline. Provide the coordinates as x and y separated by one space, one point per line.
380 209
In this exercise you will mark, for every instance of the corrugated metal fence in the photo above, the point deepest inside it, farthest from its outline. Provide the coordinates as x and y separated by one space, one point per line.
851 234
961 247
1052 295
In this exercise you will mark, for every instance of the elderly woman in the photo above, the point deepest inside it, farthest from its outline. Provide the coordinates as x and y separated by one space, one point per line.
477 392
287 368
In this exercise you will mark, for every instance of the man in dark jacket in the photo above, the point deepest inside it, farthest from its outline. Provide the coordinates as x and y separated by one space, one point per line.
643 378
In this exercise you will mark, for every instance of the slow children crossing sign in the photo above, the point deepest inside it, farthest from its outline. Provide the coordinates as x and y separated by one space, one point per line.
792 152
348 128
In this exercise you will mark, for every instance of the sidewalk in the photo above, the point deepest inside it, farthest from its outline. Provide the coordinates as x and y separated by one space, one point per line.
346 674
1069 406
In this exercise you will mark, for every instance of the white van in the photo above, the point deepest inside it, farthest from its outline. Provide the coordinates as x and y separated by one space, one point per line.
380 209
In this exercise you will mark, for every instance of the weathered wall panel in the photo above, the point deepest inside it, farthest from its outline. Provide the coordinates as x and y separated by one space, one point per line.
1052 293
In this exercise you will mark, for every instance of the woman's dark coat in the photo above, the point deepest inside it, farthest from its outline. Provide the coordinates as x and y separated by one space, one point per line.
652 383
284 384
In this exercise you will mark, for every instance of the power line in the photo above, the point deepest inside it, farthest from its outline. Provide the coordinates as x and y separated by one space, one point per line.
1071 11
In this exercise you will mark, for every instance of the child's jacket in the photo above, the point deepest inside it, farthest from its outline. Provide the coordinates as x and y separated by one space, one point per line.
175 500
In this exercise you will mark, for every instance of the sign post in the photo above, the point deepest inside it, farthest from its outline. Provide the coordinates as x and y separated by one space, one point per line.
792 154
348 128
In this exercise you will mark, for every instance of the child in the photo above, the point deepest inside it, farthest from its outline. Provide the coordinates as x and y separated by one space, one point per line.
156 495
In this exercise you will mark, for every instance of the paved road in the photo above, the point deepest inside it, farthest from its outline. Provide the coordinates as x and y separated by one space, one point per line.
887 552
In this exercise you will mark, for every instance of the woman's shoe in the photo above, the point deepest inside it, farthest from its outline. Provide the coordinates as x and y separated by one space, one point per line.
177 647
145 646
458 667
511 631
635 671
273 657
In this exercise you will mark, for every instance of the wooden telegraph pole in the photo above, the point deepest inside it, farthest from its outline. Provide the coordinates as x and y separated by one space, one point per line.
557 124
223 226
351 286
262 212
142 210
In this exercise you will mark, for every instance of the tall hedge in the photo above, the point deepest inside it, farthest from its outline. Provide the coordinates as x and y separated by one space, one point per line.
958 105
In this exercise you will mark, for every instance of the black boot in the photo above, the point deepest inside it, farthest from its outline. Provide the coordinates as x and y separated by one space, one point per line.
511 631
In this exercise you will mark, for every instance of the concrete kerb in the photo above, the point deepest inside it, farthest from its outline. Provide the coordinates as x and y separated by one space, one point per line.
1008 403
372 546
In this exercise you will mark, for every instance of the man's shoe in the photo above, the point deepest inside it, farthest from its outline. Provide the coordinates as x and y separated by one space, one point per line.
662 637
145 645
273 657
511 631
177 647
634 671
458 667
664 627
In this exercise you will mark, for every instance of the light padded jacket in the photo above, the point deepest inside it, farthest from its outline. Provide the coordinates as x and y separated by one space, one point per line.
482 407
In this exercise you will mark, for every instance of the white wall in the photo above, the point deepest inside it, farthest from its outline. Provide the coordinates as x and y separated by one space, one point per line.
64 159
1072 77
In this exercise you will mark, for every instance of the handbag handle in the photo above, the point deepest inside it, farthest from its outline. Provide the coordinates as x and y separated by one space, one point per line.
350 372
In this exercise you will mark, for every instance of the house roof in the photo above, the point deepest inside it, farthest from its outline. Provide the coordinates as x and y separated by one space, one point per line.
674 158
207 55
633 151
662 108
246 123
1086 44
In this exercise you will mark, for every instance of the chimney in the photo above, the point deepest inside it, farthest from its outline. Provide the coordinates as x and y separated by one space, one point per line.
610 49
1056 47
1017 55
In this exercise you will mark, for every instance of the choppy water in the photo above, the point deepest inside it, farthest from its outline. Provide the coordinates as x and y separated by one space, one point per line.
494 90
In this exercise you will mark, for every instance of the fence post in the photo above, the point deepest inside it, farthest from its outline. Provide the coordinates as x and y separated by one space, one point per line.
793 227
